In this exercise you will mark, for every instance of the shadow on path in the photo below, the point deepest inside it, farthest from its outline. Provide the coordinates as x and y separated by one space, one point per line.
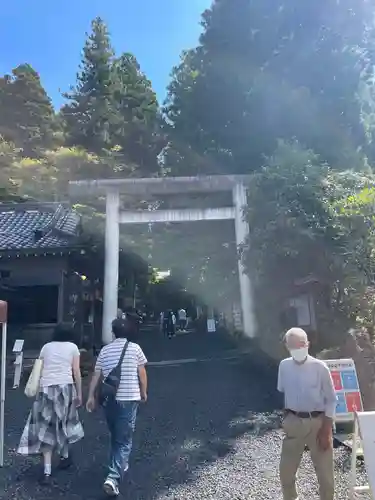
193 417
187 345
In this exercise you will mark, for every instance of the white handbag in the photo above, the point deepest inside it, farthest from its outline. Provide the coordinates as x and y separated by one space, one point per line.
32 386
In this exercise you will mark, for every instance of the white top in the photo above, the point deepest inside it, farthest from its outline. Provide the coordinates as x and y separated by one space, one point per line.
182 314
108 358
307 387
57 363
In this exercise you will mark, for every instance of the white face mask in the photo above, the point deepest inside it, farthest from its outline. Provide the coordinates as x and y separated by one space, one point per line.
300 354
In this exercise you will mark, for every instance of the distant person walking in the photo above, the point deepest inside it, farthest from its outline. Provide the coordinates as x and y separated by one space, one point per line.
161 320
121 314
182 319
310 404
53 423
169 323
134 318
121 410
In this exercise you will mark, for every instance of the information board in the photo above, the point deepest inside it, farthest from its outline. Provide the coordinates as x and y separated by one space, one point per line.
345 380
211 325
18 345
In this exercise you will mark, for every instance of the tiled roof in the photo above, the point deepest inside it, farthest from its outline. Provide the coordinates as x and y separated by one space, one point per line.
38 226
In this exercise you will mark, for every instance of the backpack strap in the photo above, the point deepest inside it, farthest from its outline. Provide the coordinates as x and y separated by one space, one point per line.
123 353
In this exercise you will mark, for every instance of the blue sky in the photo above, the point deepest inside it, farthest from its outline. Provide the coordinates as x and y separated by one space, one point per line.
49 35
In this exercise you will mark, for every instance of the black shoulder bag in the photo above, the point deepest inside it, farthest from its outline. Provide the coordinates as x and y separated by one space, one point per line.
109 387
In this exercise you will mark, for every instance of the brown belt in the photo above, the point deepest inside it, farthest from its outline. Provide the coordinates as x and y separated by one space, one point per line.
305 414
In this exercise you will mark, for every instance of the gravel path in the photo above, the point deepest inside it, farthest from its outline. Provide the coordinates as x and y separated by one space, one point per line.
209 431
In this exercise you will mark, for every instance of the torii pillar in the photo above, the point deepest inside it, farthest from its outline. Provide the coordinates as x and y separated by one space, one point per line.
241 226
111 263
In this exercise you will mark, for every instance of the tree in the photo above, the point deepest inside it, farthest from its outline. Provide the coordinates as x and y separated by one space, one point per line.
308 220
266 71
9 158
113 106
136 131
27 117
90 114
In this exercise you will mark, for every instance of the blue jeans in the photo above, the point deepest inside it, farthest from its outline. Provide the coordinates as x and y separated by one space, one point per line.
121 416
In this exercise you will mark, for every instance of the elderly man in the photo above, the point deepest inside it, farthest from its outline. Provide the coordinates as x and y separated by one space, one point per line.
310 403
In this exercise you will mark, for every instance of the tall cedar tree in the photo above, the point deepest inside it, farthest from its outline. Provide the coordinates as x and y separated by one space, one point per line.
136 130
264 71
27 117
90 114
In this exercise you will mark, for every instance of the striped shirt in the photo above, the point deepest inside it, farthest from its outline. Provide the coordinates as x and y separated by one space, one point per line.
134 357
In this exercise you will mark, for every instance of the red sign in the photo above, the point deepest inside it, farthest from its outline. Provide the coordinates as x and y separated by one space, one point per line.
337 382
353 401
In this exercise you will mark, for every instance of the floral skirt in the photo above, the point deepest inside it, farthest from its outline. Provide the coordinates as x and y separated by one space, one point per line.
53 422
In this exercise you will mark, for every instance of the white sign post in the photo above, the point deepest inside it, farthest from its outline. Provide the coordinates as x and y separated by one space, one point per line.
3 322
363 433
18 363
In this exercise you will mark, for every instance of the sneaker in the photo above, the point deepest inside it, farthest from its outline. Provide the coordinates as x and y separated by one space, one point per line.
110 488
65 463
45 479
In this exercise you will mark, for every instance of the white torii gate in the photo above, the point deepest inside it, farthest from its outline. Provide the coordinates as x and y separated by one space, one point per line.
113 188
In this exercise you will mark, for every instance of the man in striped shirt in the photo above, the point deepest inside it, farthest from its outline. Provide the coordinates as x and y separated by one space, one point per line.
121 412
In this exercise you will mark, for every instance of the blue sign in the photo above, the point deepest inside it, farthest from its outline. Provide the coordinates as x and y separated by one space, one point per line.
349 380
341 403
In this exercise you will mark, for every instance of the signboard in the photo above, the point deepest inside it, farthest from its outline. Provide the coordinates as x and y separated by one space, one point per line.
18 345
17 348
237 317
345 380
211 325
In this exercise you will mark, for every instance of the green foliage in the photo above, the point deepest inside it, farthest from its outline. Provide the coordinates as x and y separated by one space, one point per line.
266 71
9 156
45 178
293 83
27 117
308 220
113 107
89 114
282 91
136 130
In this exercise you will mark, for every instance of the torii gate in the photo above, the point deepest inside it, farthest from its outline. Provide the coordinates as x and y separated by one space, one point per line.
113 188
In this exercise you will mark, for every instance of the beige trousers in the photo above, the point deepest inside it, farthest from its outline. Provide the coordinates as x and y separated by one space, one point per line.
300 432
